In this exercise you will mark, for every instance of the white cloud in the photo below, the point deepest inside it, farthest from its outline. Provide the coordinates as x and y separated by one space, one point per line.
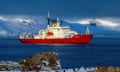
105 22
3 18
84 21
24 21
3 32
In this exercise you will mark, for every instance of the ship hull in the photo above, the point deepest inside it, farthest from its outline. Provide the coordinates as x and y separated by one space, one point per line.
77 39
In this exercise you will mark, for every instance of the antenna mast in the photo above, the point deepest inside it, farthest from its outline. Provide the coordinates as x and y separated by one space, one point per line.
48 18
87 30
57 19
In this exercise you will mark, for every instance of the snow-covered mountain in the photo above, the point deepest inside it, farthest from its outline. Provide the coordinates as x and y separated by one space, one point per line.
11 26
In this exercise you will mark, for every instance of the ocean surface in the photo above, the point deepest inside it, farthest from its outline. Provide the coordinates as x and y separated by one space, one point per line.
101 50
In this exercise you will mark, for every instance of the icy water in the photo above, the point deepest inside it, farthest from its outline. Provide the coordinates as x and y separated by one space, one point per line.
102 50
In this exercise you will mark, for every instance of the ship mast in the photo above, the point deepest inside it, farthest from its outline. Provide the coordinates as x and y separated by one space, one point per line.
48 18
87 30
57 19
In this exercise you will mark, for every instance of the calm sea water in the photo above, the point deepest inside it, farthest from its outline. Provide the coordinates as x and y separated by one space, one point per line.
102 50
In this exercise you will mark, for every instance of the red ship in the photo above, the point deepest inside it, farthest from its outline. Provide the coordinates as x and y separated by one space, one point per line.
56 34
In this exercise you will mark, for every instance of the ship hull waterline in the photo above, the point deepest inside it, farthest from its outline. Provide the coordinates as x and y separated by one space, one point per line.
78 39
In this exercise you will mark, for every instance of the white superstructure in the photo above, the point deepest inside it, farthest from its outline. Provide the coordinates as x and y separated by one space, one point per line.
55 31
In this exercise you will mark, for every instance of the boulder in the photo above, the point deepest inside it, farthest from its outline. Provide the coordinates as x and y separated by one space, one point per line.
41 61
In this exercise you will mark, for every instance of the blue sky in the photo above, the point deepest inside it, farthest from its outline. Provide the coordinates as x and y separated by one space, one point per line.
105 12
90 8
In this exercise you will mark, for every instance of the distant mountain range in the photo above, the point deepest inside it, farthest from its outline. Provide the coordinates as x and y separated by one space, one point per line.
12 26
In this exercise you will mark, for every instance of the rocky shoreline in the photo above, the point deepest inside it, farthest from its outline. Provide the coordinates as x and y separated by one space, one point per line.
48 62
41 61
